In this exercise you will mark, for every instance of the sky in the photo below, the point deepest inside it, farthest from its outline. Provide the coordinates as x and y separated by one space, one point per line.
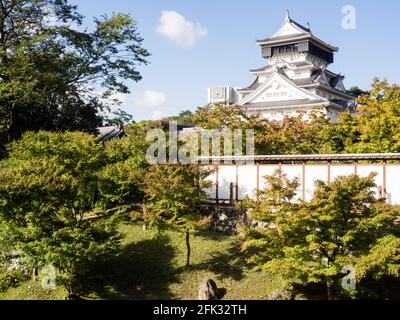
199 44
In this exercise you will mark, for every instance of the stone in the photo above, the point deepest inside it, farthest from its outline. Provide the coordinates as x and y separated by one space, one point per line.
280 295
224 219
208 290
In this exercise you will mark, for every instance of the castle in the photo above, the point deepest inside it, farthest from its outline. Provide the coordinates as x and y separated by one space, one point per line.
295 80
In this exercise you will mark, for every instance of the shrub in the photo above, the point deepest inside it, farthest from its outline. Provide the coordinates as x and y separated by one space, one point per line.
11 279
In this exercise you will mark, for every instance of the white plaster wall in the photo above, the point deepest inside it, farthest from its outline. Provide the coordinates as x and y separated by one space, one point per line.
226 176
247 178
314 173
247 181
211 192
342 170
393 183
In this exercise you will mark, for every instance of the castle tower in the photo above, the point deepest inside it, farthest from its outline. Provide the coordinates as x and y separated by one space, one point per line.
296 78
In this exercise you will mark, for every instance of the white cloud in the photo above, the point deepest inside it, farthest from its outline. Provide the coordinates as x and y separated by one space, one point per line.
152 99
150 105
175 27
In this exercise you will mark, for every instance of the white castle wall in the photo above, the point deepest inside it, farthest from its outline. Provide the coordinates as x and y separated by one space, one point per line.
245 179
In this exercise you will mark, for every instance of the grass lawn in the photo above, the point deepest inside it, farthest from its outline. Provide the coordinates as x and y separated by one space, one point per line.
151 267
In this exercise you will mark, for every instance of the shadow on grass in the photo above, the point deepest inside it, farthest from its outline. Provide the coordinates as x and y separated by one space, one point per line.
226 265
368 289
386 288
142 271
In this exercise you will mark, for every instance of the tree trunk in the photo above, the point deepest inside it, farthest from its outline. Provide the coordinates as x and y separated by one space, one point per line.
330 292
187 249
35 274
10 124
72 296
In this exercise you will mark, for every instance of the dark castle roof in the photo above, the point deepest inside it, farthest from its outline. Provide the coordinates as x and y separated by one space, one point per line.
305 35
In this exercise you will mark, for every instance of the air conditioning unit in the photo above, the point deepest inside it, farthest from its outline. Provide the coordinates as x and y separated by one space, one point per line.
223 95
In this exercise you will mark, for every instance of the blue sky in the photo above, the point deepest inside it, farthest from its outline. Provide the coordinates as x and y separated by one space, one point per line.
208 43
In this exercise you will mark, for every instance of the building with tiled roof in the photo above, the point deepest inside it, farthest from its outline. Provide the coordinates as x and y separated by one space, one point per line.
295 80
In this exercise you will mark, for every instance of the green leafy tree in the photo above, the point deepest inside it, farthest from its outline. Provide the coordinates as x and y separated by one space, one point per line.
184 118
345 133
120 118
273 206
280 191
292 135
123 177
356 91
173 194
378 118
220 116
343 225
372 129
49 205
56 75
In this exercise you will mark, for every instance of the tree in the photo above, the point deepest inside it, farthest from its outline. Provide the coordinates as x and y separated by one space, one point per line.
55 75
343 225
373 129
122 177
356 92
173 194
345 133
220 116
292 135
120 118
378 118
49 204
280 191
185 118
272 206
